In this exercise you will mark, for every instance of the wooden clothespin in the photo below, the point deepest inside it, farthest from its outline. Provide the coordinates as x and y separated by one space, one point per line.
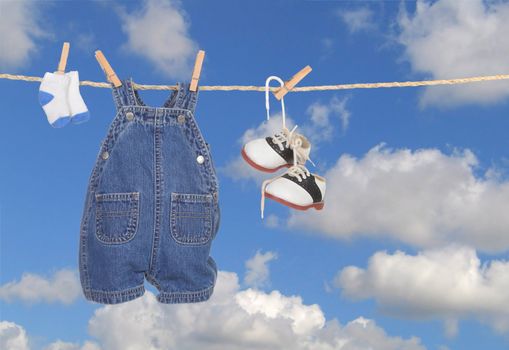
106 67
290 84
197 70
63 58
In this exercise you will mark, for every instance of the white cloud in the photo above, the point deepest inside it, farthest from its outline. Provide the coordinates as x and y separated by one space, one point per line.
20 28
451 327
61 345
447 283
159 32
235 319
257 269
13 336
322 126
357 20
424 198
86 41
272 221
63 287
449 39
327 47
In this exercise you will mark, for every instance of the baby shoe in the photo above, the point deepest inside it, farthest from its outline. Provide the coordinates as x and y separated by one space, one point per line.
272 153
296 188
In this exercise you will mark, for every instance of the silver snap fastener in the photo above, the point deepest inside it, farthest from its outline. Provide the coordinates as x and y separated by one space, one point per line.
105 155
200 159
181 119
129 116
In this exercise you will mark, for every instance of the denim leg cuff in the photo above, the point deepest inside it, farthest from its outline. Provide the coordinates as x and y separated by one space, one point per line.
185 297
116 297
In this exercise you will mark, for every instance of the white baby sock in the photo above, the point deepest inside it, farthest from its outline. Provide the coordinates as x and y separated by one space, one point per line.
79 111
53 98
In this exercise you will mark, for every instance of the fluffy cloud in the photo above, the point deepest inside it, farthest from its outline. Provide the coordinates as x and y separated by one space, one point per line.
448 283
159 32
20 27
357 20
63 287
13 336
257 269
424 198
235 319
322 126
61 345
450 38
272 221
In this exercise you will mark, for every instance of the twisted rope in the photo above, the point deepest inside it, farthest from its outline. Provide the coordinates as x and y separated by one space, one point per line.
297 89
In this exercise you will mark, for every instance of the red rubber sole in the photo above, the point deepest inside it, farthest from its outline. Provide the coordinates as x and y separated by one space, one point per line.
317 206
259 167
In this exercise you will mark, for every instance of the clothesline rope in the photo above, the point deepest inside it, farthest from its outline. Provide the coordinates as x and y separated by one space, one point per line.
296 89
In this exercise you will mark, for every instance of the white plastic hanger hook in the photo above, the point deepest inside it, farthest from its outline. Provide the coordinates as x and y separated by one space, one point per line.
267 104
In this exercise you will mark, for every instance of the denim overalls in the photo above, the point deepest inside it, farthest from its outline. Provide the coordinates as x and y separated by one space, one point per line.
151 208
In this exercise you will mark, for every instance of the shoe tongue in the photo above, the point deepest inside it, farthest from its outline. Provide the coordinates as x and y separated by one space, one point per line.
304 149
285 132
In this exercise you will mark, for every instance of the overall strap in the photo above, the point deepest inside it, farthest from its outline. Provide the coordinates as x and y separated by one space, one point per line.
186 99
124 95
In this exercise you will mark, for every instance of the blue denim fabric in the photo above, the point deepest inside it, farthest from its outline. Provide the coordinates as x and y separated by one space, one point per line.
151 209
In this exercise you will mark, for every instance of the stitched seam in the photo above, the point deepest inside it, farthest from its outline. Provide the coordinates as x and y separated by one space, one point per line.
83 261
130 93
158 184
132 224
152 279
193 99
111 196
115 297
186 293
184 297
191 197
132 290
200 238
117 98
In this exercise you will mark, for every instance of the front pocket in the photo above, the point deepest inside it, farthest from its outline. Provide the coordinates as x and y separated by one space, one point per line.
116 216
191 218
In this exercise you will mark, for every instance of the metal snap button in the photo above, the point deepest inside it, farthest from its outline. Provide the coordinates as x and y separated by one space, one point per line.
129 116
200 159
181 119
105 155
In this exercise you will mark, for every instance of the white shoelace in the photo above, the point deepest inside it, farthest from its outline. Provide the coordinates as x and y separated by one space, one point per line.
292 140
267 104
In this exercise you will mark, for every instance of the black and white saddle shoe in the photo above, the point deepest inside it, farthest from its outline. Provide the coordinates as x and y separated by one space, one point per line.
296 188
272 153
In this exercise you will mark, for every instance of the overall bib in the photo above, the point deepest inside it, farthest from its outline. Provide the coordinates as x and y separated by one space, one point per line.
151 209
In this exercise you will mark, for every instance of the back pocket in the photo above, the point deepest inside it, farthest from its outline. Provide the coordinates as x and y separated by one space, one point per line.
191 218
116 217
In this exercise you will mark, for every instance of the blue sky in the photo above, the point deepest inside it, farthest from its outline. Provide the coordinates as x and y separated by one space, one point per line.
410 251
